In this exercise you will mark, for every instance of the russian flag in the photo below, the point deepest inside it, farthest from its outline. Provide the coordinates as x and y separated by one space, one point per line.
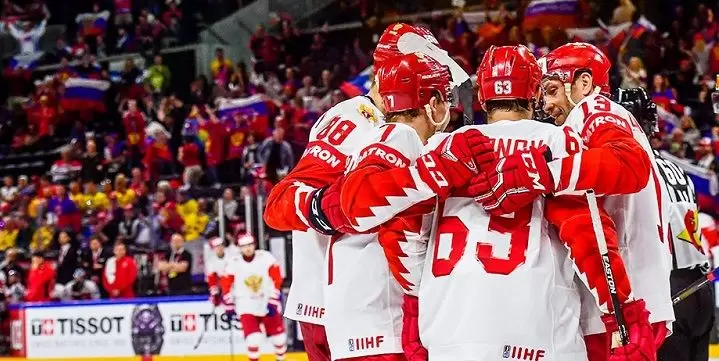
250 105
91 24
559 13
359 85
85 94
705 183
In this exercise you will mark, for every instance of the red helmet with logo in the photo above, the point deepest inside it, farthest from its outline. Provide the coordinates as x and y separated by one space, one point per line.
508 72
409 82
387 45
566 61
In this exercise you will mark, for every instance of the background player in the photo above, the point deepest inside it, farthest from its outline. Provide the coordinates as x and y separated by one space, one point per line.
251 289
216 262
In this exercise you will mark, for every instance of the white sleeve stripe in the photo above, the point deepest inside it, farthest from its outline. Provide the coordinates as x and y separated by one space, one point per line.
576 165
302 192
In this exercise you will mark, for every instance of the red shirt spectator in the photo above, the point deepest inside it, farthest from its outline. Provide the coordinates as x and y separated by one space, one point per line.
215 141
120 274
237 134
134 121
123 6
44 116
172 12
40 280
190 154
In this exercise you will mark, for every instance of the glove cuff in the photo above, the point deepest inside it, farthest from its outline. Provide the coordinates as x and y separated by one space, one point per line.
316 216
432 172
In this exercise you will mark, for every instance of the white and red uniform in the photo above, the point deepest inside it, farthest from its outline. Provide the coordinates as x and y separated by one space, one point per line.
474 259
337 134
216 267
253 282
641 218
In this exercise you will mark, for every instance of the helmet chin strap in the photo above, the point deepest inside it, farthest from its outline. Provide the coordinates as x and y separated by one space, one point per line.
440 125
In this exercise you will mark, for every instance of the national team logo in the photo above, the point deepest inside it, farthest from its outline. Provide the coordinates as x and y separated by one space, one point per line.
253 283
507 349
368 113
351 344
299 309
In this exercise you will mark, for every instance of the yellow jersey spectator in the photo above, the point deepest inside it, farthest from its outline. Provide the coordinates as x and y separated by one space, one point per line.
94 200
220 61
122 193
8 235
195 224
42 238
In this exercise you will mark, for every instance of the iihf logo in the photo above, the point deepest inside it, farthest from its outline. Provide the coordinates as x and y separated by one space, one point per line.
507 349
351 344
299 309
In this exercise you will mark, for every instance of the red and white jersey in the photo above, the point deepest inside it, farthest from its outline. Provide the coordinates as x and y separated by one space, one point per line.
363 300
684 232
640 218
216 267
338 133
500 287
253 282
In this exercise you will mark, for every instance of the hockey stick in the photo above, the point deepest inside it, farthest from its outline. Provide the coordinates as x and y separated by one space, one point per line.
606 265
204 330
695 286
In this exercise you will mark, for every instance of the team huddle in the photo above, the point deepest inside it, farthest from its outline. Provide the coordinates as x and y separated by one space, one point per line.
411 243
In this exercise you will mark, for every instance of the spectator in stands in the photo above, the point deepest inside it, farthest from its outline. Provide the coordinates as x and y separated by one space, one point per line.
14 289
177 267
10 263
230 205
67 259
92 163
8 192
81 288
158 77
276 155
129 226
40 279
189 156
8 233
221 67
42 237
678 146
144 33
93 261
94 200
135 122
633 74
704 155
123 12
308 89
120 273
64 212
124 195
125 43
65 168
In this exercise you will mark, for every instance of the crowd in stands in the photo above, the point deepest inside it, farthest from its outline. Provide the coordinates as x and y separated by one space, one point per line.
131 170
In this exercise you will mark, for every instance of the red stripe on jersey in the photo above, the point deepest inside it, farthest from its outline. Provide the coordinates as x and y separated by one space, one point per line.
658 193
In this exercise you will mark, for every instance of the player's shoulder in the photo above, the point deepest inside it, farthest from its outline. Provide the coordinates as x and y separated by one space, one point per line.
359 110
263 255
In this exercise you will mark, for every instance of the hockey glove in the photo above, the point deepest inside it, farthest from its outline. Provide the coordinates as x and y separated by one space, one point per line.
274 305
641 346
455 162
411 344
215 296
324 212
228 301
514 181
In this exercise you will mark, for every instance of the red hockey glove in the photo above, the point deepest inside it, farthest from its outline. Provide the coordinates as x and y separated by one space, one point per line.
324 212
452 165
412 346
641 345
514 181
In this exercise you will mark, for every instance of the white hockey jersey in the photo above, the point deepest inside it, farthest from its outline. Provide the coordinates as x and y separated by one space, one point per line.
364 301
640 219
254 282
684 231
344 128
500 287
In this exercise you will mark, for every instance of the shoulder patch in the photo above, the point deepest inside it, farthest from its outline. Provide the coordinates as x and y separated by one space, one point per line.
368 113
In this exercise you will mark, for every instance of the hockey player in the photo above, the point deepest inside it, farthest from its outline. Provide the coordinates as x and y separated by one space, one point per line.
251 289
336 135
695 315
618 161
216 262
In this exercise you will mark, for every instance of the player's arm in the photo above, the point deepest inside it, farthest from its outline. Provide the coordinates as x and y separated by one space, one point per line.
570 214
383 183
614 163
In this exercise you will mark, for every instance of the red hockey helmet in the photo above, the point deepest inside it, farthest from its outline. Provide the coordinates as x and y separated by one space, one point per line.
508 72
387 45
409 81
566 61
245 239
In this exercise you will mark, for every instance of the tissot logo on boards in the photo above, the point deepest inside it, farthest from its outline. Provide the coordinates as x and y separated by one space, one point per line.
195 322
76 326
